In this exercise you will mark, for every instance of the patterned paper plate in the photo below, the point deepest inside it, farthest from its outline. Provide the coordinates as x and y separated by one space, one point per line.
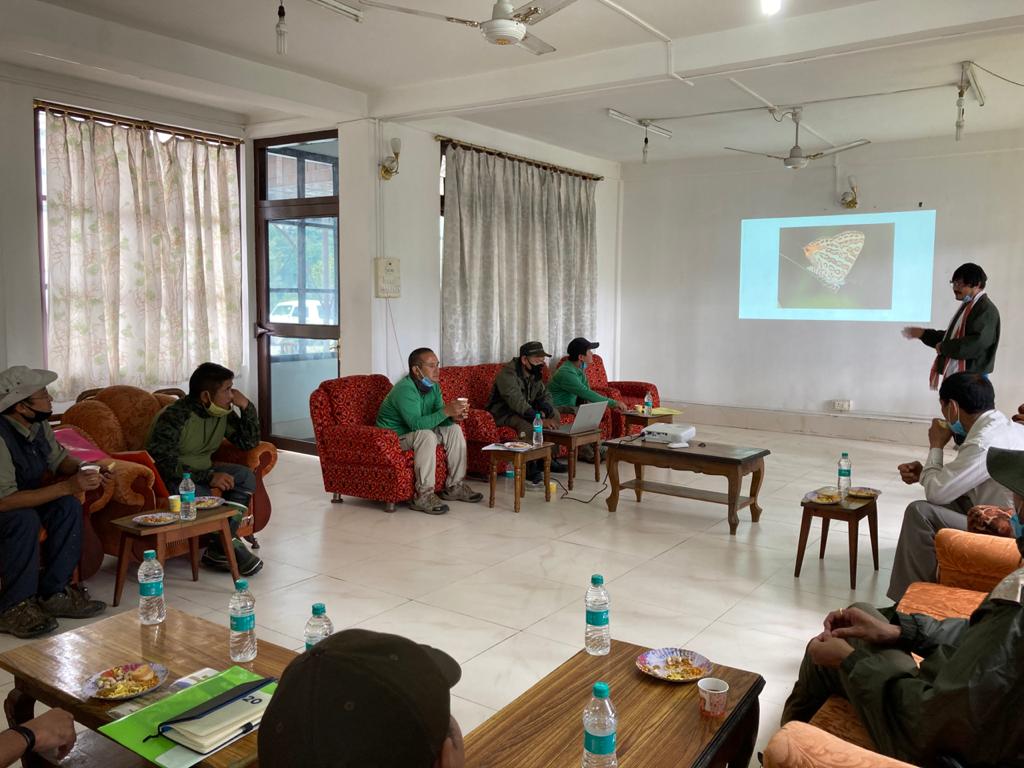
863 492
829 495
675 665
125 681
154 519
208 502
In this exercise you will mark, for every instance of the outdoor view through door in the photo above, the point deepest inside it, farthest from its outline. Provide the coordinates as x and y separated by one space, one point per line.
297 279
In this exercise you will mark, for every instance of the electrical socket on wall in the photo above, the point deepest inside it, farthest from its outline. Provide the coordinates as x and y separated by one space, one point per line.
842 406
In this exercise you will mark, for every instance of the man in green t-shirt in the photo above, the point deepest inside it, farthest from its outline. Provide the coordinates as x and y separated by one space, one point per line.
569 387
415 411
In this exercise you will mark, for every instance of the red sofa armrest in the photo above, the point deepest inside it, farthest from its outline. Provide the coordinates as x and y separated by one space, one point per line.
359 444
637 389
479 426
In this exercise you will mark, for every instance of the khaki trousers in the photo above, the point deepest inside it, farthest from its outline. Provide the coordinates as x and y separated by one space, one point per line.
423 443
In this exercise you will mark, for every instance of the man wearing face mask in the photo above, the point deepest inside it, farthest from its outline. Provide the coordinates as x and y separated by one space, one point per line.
518 395
967 404
414 410
184 437
32 599
969 344
963 701
569 387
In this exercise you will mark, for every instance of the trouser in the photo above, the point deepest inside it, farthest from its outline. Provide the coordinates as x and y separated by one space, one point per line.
20 549
815 684
915 551
245 487
423 444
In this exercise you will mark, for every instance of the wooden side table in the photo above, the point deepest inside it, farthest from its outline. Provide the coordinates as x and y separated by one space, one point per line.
635 417
571 442
158 537
850 511
518 461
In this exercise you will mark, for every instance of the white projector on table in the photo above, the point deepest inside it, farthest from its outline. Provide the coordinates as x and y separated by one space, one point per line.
676 435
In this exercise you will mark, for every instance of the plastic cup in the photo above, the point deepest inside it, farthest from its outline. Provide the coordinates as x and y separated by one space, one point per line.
174 504
714 696
89 468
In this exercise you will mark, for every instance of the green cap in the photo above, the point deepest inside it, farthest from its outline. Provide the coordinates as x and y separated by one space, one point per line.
186 475
597 579
242 584
846 455
601 691
149 554
319 609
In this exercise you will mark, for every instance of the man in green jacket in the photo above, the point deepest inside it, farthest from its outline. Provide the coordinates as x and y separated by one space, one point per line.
415 411
518 396
963 702
969 344
184 437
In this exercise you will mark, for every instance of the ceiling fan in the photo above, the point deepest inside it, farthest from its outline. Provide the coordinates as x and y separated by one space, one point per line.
507 25
796 158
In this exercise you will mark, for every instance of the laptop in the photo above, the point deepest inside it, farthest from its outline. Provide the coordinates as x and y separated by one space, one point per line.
588 419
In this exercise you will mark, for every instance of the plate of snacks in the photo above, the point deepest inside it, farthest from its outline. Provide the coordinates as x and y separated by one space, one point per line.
863 492
676 665
516 445
125 681
829 495
208 502
156 518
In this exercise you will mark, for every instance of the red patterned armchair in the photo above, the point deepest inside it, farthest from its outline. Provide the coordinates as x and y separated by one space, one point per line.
357 457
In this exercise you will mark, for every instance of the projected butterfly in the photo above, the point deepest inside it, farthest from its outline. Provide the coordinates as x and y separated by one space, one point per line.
831 258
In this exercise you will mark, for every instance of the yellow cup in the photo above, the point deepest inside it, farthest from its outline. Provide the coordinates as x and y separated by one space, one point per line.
174 504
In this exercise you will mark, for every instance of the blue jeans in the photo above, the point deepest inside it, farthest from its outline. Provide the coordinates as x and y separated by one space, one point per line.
245 487
20 549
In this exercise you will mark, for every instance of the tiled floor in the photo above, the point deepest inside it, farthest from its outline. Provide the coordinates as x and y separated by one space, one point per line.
502 592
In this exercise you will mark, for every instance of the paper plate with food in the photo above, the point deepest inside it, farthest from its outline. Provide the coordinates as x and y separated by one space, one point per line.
676 665
156 518
863 492
125 681
516 445
208 502
828 495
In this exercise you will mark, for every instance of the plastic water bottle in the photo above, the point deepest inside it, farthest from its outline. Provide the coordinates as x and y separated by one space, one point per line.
318 627
599 725
242 609
648 404
187 491
845 472
538 430
598 638
152 609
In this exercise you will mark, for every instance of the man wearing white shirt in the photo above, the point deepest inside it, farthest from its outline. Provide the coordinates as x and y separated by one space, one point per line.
967 404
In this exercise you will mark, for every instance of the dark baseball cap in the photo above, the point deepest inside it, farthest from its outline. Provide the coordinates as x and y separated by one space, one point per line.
579 346
360 698
532 349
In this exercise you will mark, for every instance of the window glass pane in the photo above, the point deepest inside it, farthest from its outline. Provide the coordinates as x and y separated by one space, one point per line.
302 170
297 366
302 257
282 176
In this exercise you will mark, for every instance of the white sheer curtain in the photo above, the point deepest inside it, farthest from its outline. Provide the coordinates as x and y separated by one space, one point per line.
519 260
144 261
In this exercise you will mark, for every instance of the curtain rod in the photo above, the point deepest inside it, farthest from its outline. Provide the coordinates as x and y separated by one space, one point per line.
89 114
519 158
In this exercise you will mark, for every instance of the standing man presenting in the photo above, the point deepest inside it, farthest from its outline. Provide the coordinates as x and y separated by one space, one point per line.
969 344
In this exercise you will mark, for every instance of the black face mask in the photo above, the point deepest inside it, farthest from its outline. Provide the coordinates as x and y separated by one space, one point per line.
39 416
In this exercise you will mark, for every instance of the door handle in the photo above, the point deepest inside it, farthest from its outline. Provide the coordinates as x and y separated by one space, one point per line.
259 331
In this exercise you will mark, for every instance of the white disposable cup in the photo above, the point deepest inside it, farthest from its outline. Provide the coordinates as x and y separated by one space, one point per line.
714 696
463 400
90 467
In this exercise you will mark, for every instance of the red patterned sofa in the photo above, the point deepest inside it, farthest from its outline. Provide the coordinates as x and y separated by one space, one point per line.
358 458
631 393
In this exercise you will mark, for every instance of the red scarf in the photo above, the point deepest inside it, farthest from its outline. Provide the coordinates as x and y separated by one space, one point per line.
956 330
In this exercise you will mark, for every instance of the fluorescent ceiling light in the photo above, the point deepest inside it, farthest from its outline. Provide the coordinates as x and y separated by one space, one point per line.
642 123
345 10
771 7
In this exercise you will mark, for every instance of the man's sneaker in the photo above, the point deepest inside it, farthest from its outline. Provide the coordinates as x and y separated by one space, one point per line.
428 503
534 485
248 563
557 465
26 620
73 603
461 492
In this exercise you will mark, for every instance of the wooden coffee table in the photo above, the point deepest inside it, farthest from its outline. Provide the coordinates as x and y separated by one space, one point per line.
729 461
518 461
571 442
158 537
54 670
850 511
660 725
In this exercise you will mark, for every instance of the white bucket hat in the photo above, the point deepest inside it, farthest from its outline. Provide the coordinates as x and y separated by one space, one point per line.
19 382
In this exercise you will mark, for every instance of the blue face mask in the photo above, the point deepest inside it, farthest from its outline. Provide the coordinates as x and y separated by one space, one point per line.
1018 527
583 366
425 384
958 429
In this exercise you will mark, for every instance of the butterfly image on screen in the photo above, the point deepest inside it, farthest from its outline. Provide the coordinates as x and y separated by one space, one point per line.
831 258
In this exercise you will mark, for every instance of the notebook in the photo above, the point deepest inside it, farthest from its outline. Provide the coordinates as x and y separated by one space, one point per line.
212 728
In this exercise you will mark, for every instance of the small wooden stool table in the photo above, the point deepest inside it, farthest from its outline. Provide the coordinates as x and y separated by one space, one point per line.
571 442
642 419
158 537
850 510
518 461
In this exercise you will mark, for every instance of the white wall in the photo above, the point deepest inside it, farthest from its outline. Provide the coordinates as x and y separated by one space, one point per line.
680 269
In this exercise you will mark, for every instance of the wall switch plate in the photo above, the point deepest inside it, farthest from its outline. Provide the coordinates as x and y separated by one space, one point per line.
842 406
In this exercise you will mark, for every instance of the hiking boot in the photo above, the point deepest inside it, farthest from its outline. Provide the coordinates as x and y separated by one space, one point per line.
26 620
461 492
429 503
248 563
73 603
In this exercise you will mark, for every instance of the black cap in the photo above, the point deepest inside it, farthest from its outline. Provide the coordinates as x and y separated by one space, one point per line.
360 698
532 349
1006 467
579 346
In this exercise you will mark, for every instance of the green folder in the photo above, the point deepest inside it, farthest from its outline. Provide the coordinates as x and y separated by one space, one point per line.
130 731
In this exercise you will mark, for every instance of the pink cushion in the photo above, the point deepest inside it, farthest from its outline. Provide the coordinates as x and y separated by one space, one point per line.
78 445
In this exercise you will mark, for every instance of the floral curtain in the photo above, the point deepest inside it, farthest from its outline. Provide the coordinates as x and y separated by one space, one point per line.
144 259
519 259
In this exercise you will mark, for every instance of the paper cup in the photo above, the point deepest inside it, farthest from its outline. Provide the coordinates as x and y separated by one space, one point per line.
174 504
714 696
90 468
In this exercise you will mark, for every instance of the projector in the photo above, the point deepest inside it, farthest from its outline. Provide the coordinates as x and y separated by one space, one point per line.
669 433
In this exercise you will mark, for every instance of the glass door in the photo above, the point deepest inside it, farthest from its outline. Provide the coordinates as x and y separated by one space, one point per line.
297 280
